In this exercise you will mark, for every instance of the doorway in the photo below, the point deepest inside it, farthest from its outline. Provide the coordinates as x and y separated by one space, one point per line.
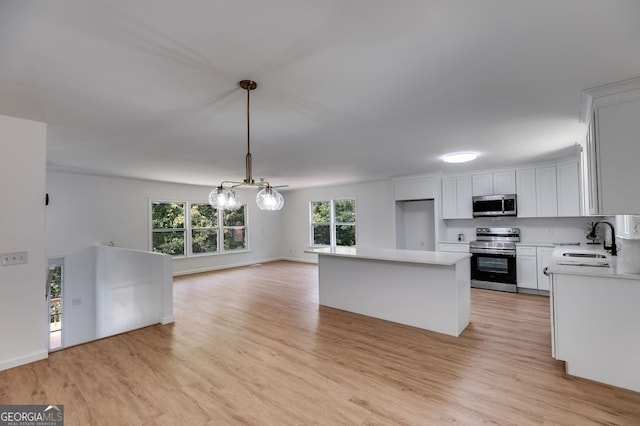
55 279
415 225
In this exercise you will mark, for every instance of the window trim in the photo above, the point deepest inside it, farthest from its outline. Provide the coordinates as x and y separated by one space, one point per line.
183 229
187 230
332 221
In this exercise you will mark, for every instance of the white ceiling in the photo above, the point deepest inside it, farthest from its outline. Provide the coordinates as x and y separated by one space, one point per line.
348 90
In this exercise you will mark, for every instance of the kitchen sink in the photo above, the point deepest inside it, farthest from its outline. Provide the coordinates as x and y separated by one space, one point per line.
585 255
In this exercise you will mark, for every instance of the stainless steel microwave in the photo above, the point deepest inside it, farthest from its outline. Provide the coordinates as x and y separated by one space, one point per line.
494 205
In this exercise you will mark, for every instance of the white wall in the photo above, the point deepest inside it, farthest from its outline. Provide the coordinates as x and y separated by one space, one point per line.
88 210
23 308
374 216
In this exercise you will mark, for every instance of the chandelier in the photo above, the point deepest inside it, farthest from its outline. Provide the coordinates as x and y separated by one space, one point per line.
225 195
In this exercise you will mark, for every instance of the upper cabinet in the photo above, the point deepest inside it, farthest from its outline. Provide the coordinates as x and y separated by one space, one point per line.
549 191
456 197
613 146
546 192
526 193
568 189
494 183
415 188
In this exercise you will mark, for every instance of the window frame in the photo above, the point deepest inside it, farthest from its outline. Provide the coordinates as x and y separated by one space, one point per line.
153 230
189 243
189 228
333 224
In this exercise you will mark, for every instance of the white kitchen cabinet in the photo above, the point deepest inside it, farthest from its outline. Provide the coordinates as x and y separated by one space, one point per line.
482 184
449 198
456 197
504 182
463 197
568 189
526 268
546 192
613 149
526 193
494 183
530 264
618 127
549 191
543 256
414 189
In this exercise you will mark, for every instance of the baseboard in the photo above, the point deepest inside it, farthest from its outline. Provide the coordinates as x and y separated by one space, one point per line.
295 259
219 267
26 359
167 320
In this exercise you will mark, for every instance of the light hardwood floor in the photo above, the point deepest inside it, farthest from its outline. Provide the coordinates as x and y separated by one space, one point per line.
251 346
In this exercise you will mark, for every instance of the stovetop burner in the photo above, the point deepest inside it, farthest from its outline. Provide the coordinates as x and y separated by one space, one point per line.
495 240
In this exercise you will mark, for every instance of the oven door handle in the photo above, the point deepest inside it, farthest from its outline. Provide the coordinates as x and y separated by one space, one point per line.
498 252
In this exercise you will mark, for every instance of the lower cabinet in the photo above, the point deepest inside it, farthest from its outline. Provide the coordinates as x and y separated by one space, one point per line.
530 264
544 255
526 269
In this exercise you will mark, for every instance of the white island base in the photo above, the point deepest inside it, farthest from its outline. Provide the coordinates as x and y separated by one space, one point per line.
429 290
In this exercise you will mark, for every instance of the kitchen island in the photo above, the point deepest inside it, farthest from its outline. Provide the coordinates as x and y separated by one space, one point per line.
425 289
595 320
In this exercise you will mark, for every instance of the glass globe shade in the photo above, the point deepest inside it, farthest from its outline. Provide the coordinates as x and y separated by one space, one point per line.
269 199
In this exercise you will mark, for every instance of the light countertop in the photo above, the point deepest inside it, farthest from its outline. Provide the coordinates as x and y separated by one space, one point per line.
393 255
538 244
616 267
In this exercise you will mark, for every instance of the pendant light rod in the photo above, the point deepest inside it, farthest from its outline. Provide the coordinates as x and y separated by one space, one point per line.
248 85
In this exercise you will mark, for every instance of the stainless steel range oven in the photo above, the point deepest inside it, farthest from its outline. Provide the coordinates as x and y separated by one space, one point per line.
493 259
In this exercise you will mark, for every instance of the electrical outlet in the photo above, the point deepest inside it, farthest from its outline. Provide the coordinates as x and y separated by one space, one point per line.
16 258
76 301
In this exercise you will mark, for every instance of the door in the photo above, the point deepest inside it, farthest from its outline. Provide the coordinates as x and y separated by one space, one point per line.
497 268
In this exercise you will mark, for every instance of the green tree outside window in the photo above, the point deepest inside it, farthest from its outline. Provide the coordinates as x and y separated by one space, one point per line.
333 223
209 230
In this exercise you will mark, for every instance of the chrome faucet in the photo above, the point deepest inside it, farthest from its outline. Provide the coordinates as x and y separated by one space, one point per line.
593 235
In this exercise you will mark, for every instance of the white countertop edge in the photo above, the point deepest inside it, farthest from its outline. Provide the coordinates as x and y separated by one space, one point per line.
393 255
533 244
591 271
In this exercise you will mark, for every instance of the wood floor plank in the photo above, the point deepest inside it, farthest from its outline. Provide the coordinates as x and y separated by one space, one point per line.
251 346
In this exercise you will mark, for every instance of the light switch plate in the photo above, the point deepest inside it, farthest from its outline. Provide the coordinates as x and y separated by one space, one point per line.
15 258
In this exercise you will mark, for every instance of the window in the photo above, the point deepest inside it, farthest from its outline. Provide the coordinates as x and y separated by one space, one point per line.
204 229
333 223
186 229
321 223
234 229
168 232
345 222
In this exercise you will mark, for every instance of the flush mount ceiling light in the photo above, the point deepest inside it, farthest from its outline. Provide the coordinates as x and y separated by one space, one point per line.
225 196
459 157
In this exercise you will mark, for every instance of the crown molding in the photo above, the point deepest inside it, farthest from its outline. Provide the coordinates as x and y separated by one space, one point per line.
607 94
